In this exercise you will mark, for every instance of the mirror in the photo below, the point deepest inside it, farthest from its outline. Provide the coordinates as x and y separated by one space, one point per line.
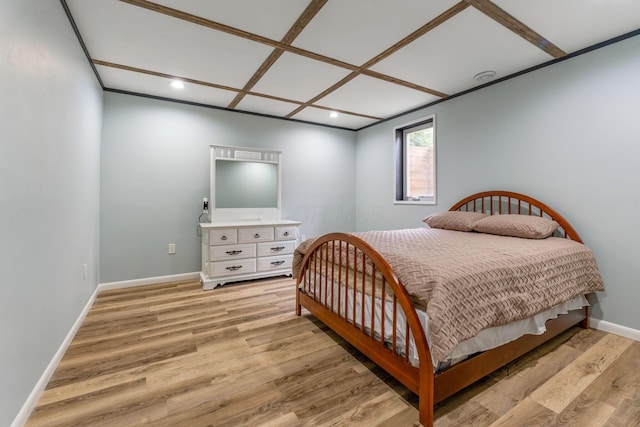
245 184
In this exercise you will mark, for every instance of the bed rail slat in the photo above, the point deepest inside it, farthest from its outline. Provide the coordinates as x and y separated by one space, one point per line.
316 275
326 270
407 340
382 316
362 307
337 290
394 338
373 298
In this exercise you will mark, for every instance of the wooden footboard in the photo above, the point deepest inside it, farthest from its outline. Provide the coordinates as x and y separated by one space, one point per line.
341 279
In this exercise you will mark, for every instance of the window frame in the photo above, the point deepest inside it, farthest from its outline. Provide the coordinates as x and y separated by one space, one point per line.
400 168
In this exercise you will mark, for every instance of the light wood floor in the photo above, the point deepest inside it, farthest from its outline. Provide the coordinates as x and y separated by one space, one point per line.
172 355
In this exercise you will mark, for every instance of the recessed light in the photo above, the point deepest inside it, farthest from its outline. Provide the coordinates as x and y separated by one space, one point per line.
177 84
333 114
485 76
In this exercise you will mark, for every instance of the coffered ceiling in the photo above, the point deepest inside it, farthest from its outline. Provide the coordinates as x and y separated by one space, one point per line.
366 60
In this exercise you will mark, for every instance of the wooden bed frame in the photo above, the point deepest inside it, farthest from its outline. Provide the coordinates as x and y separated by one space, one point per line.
429 386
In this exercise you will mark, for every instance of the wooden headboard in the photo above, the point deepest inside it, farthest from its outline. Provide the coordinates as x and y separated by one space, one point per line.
506 202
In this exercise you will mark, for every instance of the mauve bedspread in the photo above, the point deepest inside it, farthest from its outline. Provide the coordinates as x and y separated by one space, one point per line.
470 281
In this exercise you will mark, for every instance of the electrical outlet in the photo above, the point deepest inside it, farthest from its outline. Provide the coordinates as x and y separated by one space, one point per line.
172 248
84 272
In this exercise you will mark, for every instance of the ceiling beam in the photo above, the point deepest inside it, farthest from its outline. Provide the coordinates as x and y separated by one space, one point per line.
324 93
307 15
158 74
217 86
503 18
404 83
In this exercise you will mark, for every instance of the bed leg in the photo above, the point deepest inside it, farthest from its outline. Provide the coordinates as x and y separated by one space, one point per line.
587 312
298 306
426 415
425 403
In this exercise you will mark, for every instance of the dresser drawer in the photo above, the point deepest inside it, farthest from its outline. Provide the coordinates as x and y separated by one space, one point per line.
257 234
275 263
276 248
223 236
233 267
225 252
286 233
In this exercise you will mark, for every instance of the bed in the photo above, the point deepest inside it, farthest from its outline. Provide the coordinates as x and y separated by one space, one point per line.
410 299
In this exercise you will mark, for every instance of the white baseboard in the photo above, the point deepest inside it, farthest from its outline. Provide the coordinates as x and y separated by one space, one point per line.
148 281
614 328
32 400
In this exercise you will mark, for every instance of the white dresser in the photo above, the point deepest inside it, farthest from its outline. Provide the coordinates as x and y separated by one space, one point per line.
233 251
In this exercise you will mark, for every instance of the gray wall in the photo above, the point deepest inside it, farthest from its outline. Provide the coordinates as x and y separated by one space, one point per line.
50 119
155 172
566 134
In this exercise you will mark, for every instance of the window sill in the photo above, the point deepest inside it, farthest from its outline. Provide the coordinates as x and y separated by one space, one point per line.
414 202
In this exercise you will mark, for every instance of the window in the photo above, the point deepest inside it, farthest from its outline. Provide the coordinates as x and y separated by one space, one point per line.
416 162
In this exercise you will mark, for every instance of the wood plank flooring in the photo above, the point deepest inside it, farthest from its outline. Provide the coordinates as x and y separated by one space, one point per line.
174 355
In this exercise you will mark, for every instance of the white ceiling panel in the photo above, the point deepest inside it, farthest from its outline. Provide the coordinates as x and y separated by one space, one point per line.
319 115
298 78
446 61
355 31
270 19
575 24
115 78
125 34
374 97
258 104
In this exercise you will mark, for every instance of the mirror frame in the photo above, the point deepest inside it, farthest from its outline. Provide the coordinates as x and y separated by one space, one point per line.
223 152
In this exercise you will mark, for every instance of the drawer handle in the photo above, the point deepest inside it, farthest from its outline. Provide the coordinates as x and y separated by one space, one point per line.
223 238
234 267
277 248
277 262
286 233
233 252
257 236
